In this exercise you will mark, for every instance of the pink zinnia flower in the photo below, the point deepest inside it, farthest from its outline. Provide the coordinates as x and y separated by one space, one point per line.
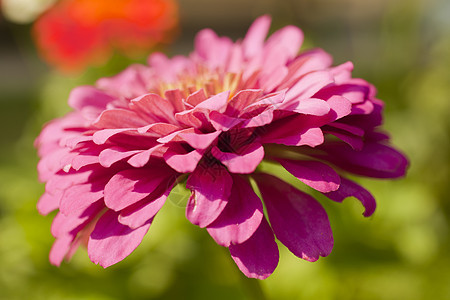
211 118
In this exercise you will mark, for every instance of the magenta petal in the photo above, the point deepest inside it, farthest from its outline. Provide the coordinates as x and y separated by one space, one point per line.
185 162
222 122
244 162
241 100
119 118
199 140
154 107
100 137
216 102
254 39
297 219
196 97
340 106
81 196
289 39
374 160
349 188
48 202
240 218
142 212
128 84
110 241
311 137
141 159
309 84
317 175
112 155
85 96
309 106
210 186
175 97
258 256
59 249
129 186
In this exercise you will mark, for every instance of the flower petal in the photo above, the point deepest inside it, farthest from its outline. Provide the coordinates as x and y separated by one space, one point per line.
349 188
258 256
297 219
112 155
144 211
317 175
311 137
244 162
256 34
240 218
374 160
210 186
153 108
110 241
183 162
88 96
129 186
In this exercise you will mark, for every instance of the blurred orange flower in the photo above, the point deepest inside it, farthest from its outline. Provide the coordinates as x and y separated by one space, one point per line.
76 33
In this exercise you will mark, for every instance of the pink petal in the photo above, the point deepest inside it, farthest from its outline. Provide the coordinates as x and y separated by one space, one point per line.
270 81
199 140
184 162
216 102
119 118
256 34
374 160
241 216
174 136
311 137
317 175
110 241
340 106
241 100
85 158
355 93
85 96
356 142
264 118
129 83
144 211
101 136
244 162
258 256
297 219
141 159
289 38
158 129
48 203
153 108
309 106
306 62
72 223
59 249
196 97
210 186
175 97
212 49
81 196
349 188
112 155
222 122
308 85
129 186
